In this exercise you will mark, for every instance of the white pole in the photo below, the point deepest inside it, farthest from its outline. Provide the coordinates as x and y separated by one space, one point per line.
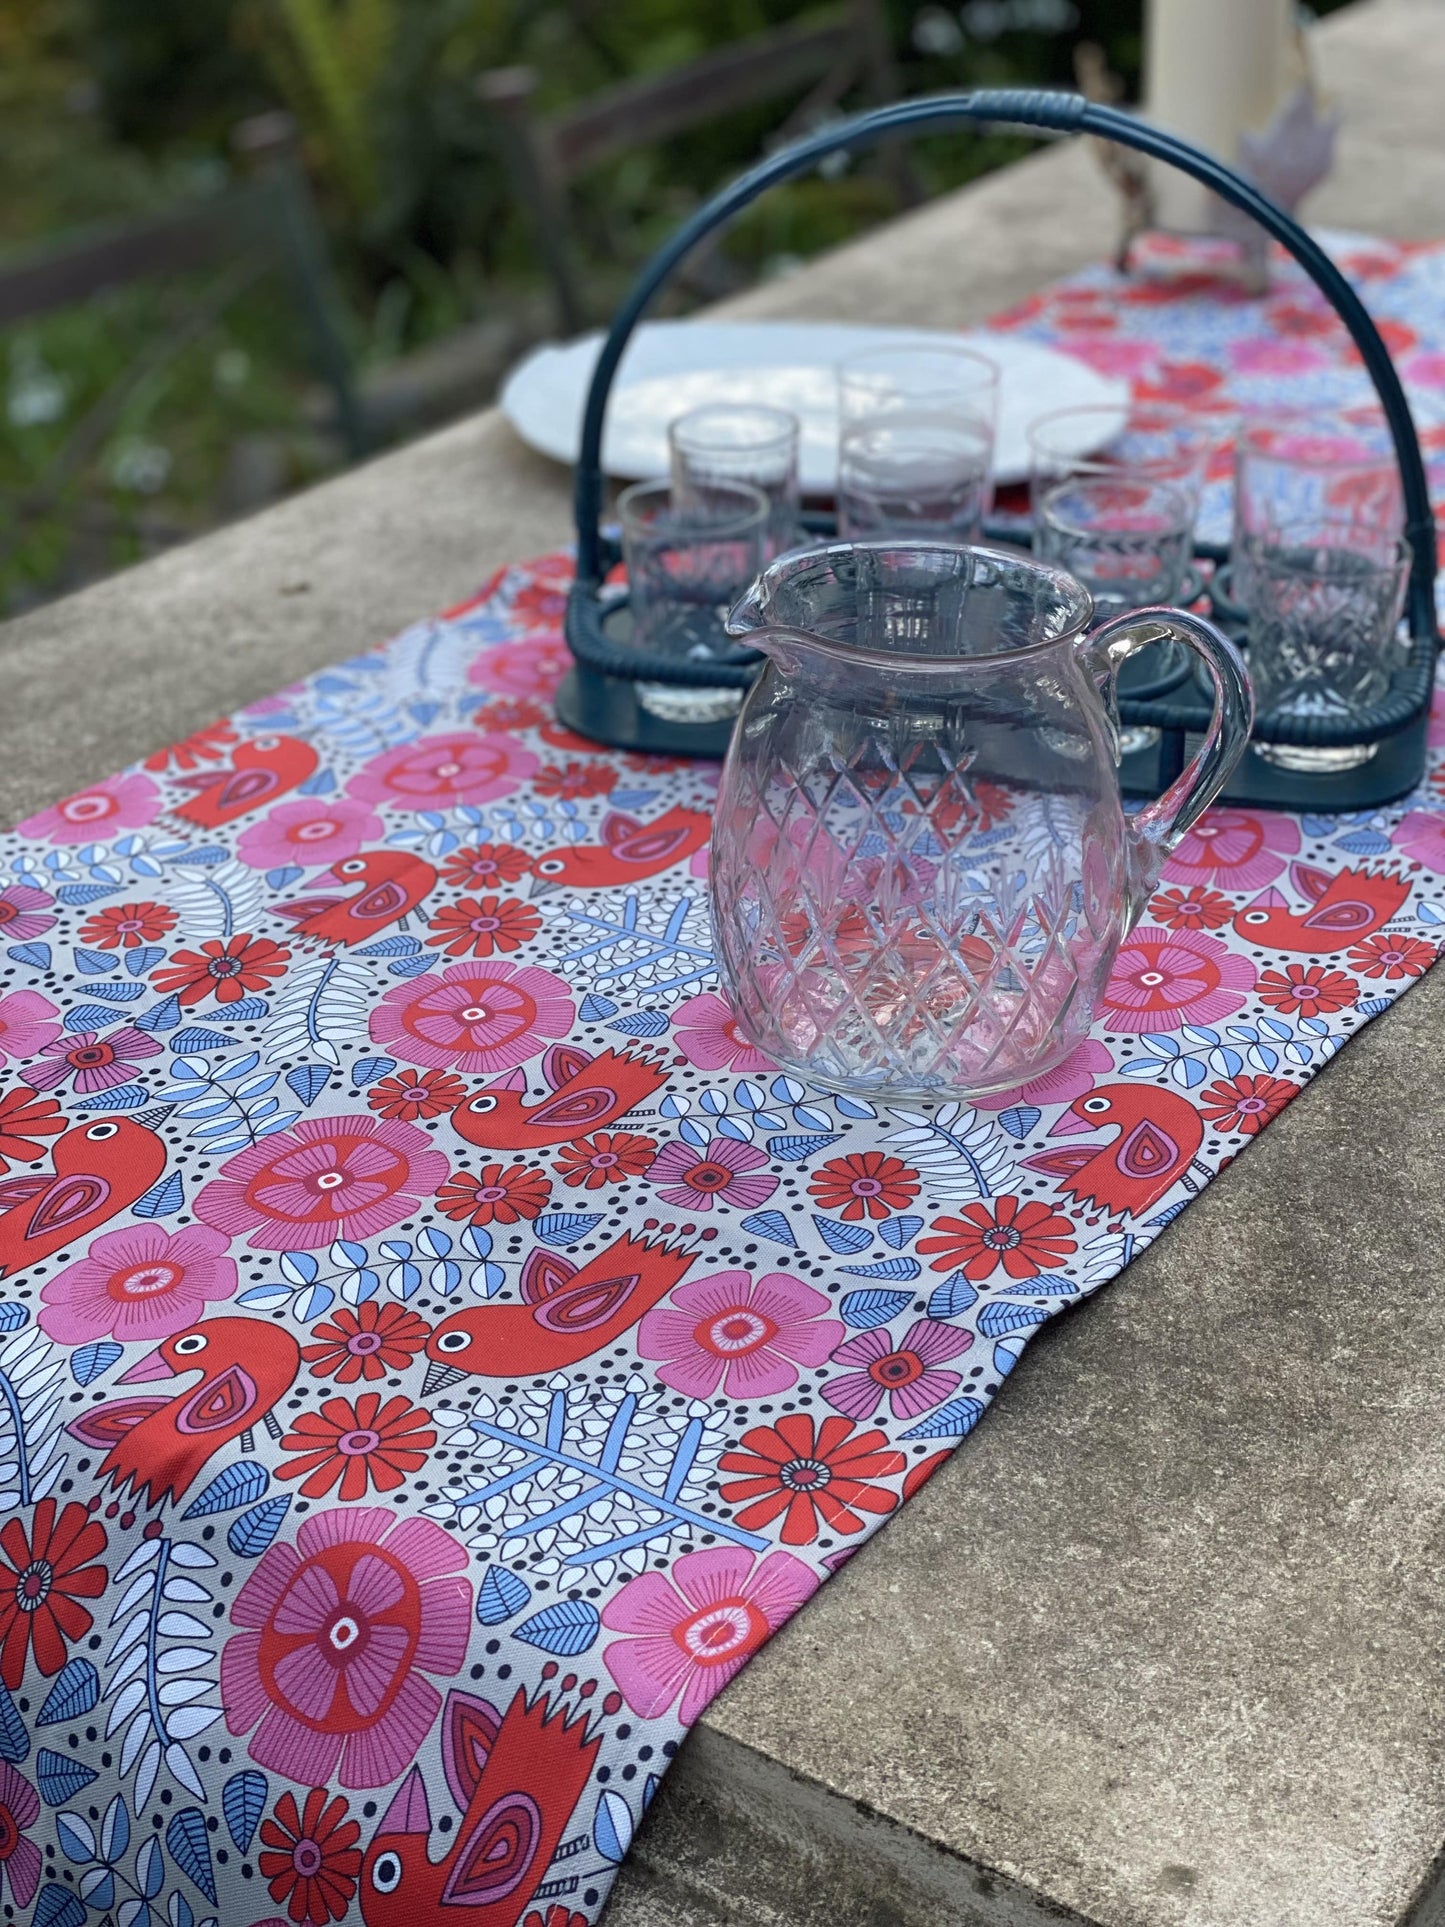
1213 69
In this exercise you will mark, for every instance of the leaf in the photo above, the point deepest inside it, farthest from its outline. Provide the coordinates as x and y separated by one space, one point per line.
773 1225
565 1629
1007 1353
566 1227
162 1016
321 1004
87 1017
366 1070
13 1315
80 894
124 1097
150 1867
953 1296
865 1310
76 1837
501 1595
239 1484
612 1826
793 1147
197 1037
1364 843
35 956
1020 1119
95 963
138 962
1003 1315
57 1907
308 1081
846 1239
642 1023
115 1831
243 1801
163 1200
59 1777
885 1268
410 966
392 946
248 1011
958 1164
89 1362
117 993
14 1738
595 1009
187 1845
97 1887
76 1690
899 1231
250 1535
955 1420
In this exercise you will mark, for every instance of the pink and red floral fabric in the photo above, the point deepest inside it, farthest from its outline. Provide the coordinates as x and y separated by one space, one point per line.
436 1349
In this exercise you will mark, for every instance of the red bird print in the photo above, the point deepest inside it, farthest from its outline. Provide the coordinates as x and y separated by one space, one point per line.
98 1170
568 1313
518 1777
1343 908
391 883
629 851
261 770
1159 1134
159 1446
587 1093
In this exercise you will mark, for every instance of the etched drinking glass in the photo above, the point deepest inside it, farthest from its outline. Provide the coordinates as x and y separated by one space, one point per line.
915 444
739 442
1294 466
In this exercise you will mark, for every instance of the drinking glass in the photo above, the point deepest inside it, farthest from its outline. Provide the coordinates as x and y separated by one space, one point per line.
740 442
1293 466
915 443
1127 538
1144 440
1325 602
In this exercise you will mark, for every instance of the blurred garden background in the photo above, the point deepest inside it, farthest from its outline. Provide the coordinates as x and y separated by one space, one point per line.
150 411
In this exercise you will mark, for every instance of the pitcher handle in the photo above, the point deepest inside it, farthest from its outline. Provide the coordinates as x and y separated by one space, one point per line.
1156 829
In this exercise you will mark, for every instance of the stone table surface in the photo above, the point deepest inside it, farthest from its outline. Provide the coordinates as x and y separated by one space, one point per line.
1163 1645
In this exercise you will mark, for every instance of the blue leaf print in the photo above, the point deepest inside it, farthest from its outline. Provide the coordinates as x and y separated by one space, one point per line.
885 1268
900 1231
1372 1006
595 1009
163 1016
87 1017
846 1239
393 946
309 1081
118 993
1364 843
642 1023
955 1420
198 1037
239 1484
14 1739
79 894
250 1535
189 1848
500 1595
566 1227
1047 1285
287 873
854 1107
248 1010
1005 1315
368 1069
138 962
13 1315
1020 1119
125 1097
865 1310
165 1197
952 1297
243 1801
89 1362
57 1907
794 1148
773 1225
612 1826
76 1690
1007 1353
410 966
566 1629
94 963
35 955
60 1778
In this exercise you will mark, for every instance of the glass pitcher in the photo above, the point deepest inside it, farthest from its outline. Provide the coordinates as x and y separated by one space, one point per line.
921 869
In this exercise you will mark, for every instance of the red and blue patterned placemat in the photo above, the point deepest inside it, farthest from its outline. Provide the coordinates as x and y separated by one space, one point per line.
435 1350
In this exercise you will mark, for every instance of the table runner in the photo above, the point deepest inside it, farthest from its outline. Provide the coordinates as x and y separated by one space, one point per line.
435 1350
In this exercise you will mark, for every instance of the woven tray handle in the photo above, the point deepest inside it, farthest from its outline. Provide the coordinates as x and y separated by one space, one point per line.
1057 113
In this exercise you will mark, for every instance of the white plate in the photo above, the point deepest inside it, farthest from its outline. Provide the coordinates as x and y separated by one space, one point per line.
671 366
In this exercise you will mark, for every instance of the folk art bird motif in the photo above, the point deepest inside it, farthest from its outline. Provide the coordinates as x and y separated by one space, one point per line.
628 852
517 1777
387 884
97 1171
261 771
157 1446
568 1313
1156 1141
587 1093
1343 908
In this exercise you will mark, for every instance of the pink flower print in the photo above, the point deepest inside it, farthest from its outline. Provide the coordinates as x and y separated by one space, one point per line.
748 1334
693 1631
142 1282
119 803
1276 355
24 1025
96 1063
1234 850
20 1858
334 1637
325 1178
1425 369
530 668
909 1374
309 830
479 1016
727 1171
438 771
1421 835
707 1035
1059 1086
24 912
1162 979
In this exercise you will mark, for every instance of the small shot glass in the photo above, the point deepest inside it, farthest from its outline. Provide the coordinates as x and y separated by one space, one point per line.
916 442
740 442
1325 597
1293 466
